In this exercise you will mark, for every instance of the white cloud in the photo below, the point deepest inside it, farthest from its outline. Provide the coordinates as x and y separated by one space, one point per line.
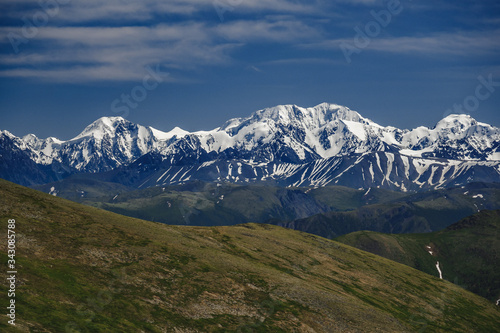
118 53
82 11
115 39
266 30
458 44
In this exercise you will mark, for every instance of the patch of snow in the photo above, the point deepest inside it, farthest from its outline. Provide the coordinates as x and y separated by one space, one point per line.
439 271
494 157
53 191
411 153
164 136
356 128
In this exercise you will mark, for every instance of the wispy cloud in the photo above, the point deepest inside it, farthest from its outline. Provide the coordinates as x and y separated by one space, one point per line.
463 43
459 44
284 31
117 53
81 11
115 39
103 53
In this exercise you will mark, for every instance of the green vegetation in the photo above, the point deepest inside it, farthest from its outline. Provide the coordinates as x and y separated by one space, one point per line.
79 188
413 213
88 270
468 251
340 198
327 211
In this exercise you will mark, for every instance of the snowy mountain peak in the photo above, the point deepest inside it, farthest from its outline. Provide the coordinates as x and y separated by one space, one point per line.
52 139
31 139
102 126
280 113
179 132
7 134
109 122
344 113
164 136
317 116
459 121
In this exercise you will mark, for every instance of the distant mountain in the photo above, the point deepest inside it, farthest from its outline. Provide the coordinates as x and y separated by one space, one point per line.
468 252
287 145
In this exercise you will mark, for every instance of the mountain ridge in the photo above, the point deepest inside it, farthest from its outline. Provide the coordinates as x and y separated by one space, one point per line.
285 136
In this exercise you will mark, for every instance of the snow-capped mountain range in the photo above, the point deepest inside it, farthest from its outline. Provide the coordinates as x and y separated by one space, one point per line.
289 145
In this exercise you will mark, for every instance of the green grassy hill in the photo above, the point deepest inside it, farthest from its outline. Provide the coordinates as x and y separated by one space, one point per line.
468 251
81 269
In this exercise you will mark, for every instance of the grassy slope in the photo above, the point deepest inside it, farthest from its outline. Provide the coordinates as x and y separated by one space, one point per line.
468 251
95 271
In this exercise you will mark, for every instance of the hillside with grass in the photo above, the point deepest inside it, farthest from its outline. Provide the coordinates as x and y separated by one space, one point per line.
468 251
82 269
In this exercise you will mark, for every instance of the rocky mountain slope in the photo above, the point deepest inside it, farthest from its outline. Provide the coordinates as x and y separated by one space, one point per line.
288 145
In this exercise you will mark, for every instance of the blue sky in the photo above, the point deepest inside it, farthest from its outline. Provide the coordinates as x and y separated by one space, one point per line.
65 65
